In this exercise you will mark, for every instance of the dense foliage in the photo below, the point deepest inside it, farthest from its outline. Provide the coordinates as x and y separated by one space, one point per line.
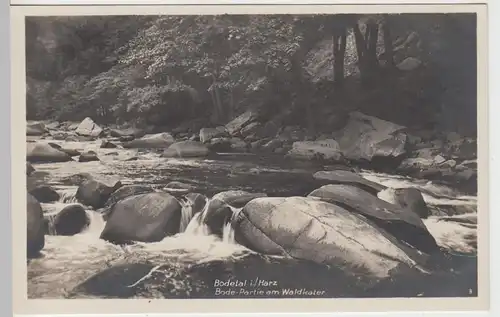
166 70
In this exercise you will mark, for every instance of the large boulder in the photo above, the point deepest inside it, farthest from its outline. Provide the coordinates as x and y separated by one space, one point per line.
71 126
130 132
126 138
207 134
186 149
178 187
216 214
35 227
269 130
235 126
77 179
89 128
35 129
220 145
44 153
44 194
238 145
53 125
227 145
89 156
409 64
95 192
310 229
250 129
196 201
105 144
466 149
127 191
71 220
466 180
70 152
37 179
122 193
146 217
366 137
401 223
151 141
237 198
412 199
326 150
350 178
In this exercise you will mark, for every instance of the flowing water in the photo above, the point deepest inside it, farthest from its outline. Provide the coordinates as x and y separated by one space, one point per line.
67 261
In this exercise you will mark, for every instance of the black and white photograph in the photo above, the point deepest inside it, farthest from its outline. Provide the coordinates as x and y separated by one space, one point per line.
251 156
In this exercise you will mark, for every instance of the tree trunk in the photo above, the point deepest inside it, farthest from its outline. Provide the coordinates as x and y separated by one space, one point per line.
339 46
215 112
366 47
389 52
104 114
300 86
218 110
371 40
360 46
361 51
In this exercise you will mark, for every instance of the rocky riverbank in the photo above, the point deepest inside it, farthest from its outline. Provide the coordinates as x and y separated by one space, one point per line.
357 231
355 140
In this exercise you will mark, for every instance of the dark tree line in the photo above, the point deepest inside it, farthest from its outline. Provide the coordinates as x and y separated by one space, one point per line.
167 69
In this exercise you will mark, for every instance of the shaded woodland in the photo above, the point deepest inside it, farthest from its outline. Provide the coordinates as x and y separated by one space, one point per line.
418 70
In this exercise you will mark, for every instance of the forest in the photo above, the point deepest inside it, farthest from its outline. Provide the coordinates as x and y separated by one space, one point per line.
417 70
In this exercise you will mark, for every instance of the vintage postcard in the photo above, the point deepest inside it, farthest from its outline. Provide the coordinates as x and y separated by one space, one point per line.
249 158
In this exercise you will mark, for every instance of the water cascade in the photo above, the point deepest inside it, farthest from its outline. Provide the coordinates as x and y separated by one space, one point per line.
67 196
196 226
186 214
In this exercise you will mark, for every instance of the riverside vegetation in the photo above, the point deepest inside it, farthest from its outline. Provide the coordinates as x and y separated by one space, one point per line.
331 154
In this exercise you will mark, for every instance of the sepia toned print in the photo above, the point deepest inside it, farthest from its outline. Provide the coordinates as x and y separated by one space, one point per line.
252 156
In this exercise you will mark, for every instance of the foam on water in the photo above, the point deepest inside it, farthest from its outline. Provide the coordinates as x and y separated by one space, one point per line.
96 225
186 214
228 234
195 244
192 248
185 162
453 235
196 226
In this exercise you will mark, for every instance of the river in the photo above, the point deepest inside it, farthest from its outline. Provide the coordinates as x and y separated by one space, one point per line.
67 261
